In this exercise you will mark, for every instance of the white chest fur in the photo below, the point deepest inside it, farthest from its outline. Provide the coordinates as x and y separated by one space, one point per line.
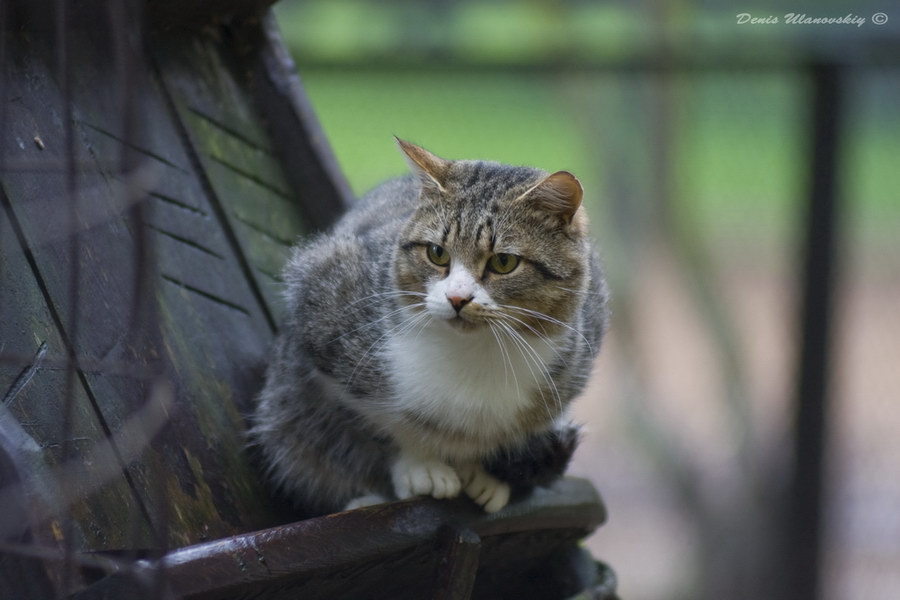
465 380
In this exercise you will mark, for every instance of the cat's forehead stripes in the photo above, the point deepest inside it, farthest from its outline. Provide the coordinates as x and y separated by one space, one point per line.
483 183
474 176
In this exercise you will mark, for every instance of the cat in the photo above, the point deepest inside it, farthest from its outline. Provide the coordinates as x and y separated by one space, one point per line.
434 339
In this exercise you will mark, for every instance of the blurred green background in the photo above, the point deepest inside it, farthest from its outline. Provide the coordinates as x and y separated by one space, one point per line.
691 134
526 83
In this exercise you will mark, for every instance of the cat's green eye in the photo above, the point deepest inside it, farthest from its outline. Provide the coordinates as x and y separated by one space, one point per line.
503 263
438 255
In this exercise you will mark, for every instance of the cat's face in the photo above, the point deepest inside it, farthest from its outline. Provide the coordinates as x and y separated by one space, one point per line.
493 246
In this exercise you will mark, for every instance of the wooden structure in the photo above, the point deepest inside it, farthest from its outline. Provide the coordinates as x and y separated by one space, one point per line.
156 163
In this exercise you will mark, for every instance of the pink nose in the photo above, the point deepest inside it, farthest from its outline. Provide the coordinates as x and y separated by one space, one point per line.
458 302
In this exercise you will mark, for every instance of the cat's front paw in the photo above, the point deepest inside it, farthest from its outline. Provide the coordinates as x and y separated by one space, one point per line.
486 490
423 477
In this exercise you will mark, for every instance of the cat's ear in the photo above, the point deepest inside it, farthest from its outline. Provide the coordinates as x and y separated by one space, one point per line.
559 193
431 169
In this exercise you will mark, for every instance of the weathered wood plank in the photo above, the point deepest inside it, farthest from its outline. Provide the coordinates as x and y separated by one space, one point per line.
236 155
458 564
106 512
206 328
390 551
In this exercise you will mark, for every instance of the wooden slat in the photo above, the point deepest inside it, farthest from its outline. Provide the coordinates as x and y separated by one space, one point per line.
107 513
457 565
194 479
236 156
389 551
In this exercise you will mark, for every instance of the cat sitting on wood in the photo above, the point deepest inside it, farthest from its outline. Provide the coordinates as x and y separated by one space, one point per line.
434 339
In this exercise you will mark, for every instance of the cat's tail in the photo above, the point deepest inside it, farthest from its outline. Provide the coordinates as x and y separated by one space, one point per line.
540 461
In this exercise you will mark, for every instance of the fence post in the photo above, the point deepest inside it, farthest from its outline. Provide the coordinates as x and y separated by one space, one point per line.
804 525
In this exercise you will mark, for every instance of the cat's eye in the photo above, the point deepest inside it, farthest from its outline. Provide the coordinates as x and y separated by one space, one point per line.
503 263
438 255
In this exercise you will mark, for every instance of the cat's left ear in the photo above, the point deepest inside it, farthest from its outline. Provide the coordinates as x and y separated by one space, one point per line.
432 170
559 193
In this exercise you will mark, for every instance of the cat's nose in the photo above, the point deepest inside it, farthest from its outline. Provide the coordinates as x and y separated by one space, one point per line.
458 302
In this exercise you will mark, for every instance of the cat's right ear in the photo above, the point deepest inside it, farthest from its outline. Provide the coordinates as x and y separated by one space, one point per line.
432 170
559 194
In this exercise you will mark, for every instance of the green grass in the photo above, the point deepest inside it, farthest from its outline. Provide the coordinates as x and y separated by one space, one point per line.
507 118
738 143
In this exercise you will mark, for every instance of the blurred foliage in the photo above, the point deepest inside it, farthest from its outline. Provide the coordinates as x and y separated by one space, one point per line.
433 72
740 161
552 31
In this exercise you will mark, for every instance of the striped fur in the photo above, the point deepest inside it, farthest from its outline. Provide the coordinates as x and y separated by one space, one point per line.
378 388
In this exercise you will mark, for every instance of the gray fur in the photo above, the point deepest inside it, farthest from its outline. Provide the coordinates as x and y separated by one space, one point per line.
325 421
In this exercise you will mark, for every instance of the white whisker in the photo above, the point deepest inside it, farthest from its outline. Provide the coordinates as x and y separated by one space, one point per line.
565 289
507 363
541 336
388 294
528 355
376 321
397 329
544 317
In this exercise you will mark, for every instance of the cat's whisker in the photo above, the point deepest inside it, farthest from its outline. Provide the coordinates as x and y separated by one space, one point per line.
379 320
388 294
537 314
387 334
543 368
504 330
529 354
522 345
514 374
378 300
544 317
585 292
377 345
541 336
506 362
425 324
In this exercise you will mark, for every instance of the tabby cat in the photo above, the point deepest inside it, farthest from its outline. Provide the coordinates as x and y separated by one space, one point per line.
434 339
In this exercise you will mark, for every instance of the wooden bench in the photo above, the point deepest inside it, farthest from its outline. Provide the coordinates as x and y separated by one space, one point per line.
150 188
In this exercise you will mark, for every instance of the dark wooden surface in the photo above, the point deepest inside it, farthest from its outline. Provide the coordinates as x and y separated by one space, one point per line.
159 15
396 550
457 563
219 217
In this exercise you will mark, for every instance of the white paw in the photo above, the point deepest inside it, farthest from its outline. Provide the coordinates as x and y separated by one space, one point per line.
421 477
486 490
367 500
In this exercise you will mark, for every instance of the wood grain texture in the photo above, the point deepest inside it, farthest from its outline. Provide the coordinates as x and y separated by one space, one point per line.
107 514
245 184
390 551
457 564
208 330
